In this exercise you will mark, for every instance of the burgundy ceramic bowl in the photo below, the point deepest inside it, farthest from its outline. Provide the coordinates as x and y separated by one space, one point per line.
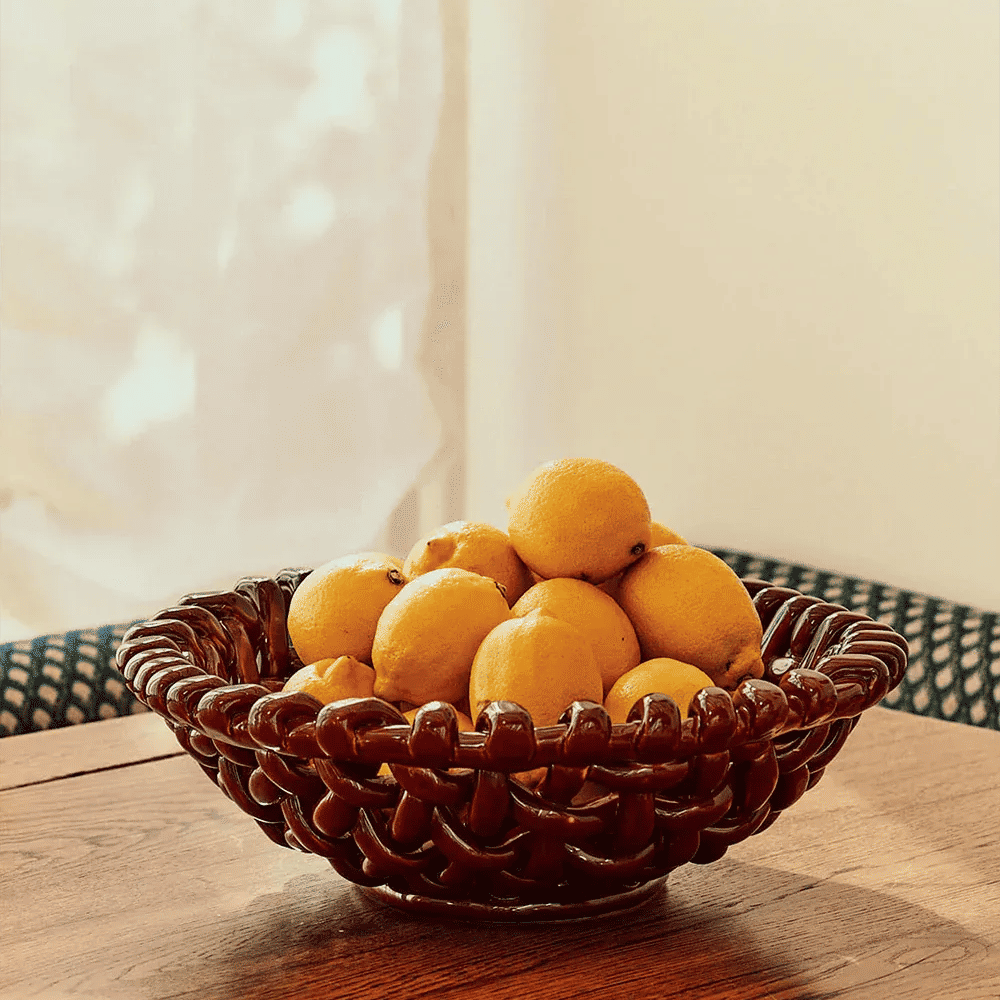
447 828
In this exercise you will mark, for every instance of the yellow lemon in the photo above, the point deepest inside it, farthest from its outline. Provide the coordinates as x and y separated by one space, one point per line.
477 547
333 679
465 724
579 517
335 609
429 632
686 604
661 675
662 535
595 614
539 662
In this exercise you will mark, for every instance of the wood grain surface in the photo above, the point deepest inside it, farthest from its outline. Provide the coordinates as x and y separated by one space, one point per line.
144 881
61 753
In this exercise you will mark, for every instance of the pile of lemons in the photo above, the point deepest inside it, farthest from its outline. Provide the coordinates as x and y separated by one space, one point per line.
583 598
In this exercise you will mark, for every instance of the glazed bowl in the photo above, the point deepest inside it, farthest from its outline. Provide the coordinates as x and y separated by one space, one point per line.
439 821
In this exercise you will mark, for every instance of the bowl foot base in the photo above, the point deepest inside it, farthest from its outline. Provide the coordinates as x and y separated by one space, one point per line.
460 909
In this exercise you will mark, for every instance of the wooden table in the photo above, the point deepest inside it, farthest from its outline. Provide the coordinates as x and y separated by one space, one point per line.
127 874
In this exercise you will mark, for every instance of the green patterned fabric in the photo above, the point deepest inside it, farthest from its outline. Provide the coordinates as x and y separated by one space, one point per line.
60 680
954 670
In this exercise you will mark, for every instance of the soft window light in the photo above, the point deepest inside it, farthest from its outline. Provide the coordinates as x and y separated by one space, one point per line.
387 339
338 95
196 247
289 17
158 386
311 210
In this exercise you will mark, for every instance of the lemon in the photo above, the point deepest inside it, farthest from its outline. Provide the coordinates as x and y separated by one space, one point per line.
595 614
477 547
579 517
679 681
686 604
333 679
428 634
662 535
335 609
539 662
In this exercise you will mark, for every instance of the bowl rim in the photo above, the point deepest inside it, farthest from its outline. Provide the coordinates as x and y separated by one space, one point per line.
211 664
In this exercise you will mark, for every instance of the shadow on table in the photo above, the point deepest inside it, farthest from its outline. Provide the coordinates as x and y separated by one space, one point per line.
754 934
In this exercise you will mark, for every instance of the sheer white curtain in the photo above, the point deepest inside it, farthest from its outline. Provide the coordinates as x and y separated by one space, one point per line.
216 275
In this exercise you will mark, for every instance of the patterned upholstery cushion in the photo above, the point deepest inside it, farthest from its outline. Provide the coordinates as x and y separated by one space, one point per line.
954 671
954 668
60 680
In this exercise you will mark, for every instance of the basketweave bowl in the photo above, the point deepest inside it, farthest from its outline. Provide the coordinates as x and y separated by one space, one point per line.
448 829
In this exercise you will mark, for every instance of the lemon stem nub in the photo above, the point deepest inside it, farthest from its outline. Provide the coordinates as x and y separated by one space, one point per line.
638 548
395 577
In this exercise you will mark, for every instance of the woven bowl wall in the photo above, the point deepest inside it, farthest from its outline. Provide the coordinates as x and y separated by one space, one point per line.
446 828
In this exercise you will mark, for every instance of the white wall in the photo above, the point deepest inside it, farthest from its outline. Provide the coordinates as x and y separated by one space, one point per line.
749 252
